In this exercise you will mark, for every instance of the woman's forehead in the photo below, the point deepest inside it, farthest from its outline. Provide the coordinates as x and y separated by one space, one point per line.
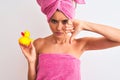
58 15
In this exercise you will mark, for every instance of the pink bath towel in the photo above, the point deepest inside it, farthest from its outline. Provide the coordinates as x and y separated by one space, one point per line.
58 67
48 7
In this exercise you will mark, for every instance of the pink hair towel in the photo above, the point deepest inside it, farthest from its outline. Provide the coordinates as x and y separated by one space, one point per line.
58 67
48 7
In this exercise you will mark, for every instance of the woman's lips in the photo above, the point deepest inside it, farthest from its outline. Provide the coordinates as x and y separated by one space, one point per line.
58 33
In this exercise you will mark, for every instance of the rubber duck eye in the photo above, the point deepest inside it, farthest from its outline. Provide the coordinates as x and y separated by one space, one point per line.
22 33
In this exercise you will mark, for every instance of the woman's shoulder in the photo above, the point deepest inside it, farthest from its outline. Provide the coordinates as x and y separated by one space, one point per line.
40 41
83 39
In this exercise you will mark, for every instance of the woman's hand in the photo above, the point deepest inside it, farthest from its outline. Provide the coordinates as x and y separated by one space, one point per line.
74 27
29 52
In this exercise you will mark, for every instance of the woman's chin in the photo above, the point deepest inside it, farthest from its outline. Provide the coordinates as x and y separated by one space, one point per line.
59 35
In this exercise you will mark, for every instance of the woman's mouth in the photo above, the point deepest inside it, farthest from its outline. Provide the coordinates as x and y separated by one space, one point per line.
58 33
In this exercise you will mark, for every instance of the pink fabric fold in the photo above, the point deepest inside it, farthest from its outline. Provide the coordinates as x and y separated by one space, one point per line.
80 1
58 67
48 7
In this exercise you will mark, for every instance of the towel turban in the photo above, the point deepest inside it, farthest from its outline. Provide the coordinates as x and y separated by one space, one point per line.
49 7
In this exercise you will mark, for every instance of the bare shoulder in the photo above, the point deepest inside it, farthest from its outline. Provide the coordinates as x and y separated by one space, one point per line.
38 43
80 43
82 40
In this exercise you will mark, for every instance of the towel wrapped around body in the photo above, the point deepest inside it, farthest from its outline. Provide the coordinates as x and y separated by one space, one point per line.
58 67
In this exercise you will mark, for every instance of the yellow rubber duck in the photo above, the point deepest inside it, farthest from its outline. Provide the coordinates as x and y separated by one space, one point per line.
25 39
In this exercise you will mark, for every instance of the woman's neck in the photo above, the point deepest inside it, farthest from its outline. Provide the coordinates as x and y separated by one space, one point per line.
63 40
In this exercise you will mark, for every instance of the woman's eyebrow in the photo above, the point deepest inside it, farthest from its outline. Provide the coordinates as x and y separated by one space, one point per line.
65 20
54 20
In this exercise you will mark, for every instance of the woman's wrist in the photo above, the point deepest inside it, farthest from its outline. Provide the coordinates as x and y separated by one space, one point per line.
32 64
84 25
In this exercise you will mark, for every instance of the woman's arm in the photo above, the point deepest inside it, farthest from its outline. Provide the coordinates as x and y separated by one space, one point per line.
31 71
110 37
30 54
109 32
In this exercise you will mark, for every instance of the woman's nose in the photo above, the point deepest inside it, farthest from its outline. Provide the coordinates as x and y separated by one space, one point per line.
59 26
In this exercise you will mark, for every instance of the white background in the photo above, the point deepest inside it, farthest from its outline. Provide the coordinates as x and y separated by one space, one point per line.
19 15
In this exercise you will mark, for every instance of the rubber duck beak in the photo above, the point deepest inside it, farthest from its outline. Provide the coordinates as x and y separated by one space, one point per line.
22 33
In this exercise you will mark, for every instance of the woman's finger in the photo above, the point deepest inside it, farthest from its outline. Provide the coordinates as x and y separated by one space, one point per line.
69 27
76 30
26 50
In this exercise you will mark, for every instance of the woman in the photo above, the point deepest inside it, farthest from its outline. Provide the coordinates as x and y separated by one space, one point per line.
56 57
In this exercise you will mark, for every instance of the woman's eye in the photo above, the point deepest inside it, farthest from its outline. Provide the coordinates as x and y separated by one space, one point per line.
64 21
53 21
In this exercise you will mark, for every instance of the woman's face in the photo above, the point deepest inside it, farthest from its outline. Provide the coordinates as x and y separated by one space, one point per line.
58 23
